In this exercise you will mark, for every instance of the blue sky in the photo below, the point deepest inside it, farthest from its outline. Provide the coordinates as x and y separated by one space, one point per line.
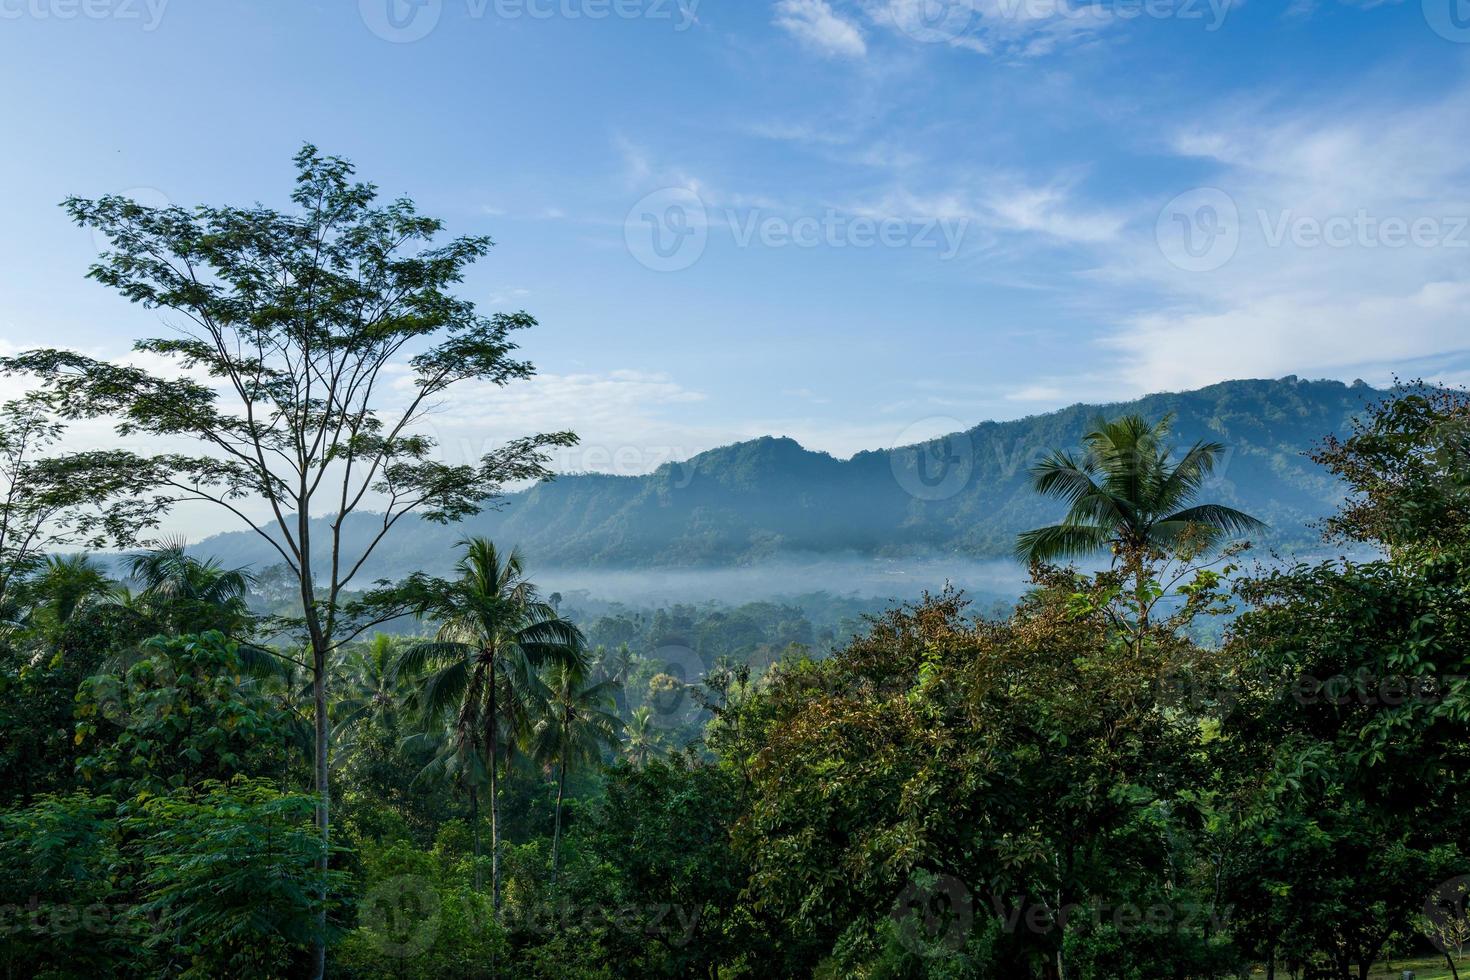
877 219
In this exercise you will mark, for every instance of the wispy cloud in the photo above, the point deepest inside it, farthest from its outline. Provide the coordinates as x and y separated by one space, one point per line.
818 26
1005 203
1353 216
1009 28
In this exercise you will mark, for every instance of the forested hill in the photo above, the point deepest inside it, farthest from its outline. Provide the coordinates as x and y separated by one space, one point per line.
964 496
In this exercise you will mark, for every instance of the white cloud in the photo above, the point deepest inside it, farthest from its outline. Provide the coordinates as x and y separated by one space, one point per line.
817 25
1010 28
629 422
1004 203
1366 305
1270 336
1037 393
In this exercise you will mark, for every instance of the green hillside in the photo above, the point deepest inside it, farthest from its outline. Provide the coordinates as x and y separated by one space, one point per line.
965 495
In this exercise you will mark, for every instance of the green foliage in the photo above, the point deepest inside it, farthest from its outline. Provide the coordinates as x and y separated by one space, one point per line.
185 712
1075 788
60 892
37 738
1349 747
47 501
207 881
1033 764
229 877
652 881
419 916
1408 464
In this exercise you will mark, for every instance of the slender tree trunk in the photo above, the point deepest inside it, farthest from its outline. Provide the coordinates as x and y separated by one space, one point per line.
494 722
323 791
475 825
1140 596
561 787
320 644
1451 961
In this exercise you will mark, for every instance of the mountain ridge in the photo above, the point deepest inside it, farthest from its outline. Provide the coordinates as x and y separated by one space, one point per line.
964 494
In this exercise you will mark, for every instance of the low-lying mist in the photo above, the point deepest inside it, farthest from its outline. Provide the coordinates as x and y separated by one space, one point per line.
877 578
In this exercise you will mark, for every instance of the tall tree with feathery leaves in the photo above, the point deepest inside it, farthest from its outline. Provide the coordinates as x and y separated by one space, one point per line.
294 330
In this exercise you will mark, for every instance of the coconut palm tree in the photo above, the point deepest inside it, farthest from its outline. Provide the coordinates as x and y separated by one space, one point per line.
63 585
494 633
459 763
375 689
188 595
575 726
640 741
614 666
1129 496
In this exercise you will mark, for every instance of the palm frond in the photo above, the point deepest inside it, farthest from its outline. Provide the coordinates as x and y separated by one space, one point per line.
1059 475
1060 541
1218 516
1187 477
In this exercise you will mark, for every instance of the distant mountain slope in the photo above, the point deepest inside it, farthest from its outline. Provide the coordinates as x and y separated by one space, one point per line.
966 495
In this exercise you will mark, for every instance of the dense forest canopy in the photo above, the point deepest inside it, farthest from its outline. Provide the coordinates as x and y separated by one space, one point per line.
1169 762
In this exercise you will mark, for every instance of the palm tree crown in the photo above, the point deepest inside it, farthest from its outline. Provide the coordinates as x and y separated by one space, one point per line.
494 633
189 595
640 743
576 725
576 721
375 689
1129 495
65 584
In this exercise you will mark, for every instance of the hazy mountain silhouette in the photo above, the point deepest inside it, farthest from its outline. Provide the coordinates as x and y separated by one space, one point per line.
965 495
